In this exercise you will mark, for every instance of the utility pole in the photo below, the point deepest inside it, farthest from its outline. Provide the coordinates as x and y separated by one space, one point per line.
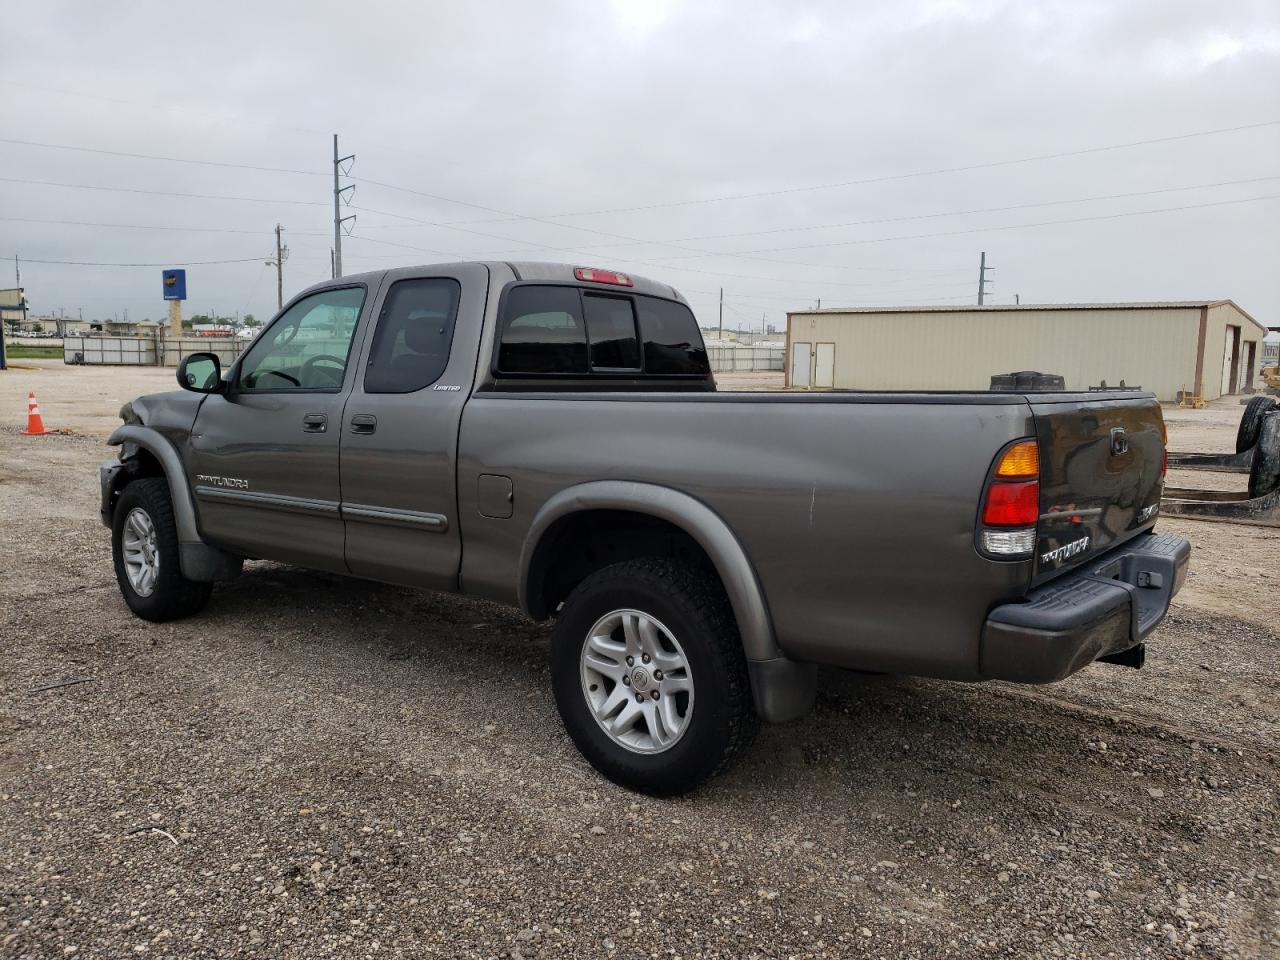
983 269
1017 298
722 313
282 254
819 307
22 299
338 197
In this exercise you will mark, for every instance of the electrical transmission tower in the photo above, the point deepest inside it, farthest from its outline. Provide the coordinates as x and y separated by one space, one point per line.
983 270
341 195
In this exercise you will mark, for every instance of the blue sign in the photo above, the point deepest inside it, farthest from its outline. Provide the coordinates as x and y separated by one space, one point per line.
175 284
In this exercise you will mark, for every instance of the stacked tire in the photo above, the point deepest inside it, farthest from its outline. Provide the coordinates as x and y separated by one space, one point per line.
1251 423
1264 474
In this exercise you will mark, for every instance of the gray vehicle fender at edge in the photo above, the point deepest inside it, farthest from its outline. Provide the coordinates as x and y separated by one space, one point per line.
693 517
184 509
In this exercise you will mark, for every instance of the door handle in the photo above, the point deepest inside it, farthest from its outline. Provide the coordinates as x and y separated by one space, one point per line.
315 423
364 423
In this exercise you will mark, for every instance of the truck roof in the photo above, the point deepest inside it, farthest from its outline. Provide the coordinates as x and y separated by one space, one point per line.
537 270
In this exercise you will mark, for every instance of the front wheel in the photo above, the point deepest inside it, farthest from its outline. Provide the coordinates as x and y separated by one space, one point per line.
144 547
649 675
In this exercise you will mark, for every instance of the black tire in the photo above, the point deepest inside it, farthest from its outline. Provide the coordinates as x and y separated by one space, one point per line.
1251 421
1264 474
691 604
173 595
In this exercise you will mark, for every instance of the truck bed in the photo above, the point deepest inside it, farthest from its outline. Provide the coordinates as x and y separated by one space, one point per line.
857 509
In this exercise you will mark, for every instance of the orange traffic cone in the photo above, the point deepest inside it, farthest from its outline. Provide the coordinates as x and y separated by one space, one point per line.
35 422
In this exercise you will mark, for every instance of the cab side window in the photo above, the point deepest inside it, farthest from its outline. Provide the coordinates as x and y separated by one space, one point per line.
414 335
307 347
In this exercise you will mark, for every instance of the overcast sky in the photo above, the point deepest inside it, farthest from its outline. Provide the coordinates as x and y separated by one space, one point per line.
566 117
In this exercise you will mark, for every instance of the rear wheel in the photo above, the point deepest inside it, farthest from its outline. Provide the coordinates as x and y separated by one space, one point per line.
144 547
1251 421
1264 474
649 675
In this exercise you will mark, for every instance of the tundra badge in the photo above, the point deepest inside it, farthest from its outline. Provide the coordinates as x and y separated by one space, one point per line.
1058 554
234 482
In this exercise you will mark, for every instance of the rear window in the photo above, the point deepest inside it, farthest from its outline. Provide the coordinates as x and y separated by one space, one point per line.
611 329
543 332
672 342
571 331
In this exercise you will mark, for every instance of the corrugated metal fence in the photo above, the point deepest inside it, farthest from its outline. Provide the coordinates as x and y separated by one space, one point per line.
168 352
724 359
158 351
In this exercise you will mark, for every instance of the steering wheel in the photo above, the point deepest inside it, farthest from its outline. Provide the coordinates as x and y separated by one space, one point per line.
309 365
257 378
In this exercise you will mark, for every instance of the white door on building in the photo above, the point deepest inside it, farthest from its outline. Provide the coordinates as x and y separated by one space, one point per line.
801 364
1229 359
824 367
1226 364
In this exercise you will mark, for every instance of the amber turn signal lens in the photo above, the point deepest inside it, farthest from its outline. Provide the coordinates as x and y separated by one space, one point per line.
1021 461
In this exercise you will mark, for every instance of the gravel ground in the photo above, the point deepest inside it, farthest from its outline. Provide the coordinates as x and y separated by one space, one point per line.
317 767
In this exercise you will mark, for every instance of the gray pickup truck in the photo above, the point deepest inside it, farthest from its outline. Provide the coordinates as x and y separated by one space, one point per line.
552 437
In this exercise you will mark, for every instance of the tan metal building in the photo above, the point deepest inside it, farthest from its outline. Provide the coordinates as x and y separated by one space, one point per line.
1210 347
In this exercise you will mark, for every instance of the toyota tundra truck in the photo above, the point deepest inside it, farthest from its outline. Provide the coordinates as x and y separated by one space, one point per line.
551 437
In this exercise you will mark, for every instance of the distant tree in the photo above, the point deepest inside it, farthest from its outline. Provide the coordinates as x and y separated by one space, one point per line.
251 321
37 327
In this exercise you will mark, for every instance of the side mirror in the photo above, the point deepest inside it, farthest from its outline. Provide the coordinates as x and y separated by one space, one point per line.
200 373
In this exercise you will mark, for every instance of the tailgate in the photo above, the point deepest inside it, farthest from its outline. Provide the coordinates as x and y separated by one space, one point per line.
1101 474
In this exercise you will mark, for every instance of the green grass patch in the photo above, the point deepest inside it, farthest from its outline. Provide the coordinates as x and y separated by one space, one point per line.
20 351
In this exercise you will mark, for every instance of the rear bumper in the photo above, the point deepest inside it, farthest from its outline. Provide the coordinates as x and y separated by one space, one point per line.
1103 608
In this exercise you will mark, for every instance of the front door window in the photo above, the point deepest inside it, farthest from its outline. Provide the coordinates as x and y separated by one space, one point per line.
307 348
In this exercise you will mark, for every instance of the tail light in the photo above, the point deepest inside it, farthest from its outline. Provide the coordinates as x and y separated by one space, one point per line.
1011 503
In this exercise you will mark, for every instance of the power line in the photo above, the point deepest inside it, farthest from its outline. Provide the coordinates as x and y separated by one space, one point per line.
145 226
629 260
149 156
696 254
240 120
166 263
989 165
690 253
159 193
985 165
666 265
405 246
551 219
1015 226
965 213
